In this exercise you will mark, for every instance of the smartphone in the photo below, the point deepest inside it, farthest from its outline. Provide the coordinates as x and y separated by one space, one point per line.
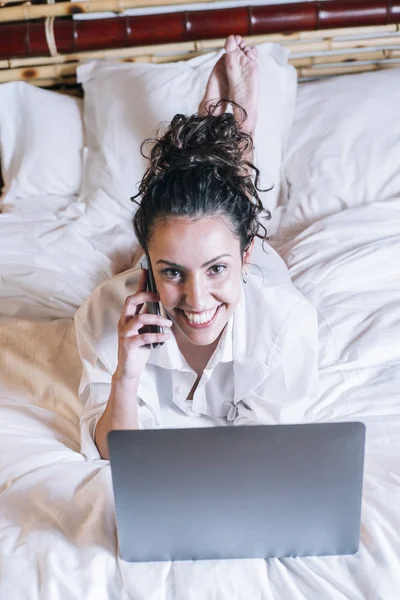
154 308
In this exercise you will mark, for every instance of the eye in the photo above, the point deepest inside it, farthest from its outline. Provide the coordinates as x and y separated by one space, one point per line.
218 269
171 273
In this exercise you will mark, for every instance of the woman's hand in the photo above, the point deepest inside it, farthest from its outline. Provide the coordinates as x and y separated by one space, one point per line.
134 346
133 353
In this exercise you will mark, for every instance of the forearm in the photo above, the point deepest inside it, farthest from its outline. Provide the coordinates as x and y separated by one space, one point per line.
120 413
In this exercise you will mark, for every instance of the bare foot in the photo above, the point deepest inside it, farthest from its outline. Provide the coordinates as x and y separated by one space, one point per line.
242 74
217 88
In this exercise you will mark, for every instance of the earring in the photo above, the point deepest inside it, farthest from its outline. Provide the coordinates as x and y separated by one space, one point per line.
244 276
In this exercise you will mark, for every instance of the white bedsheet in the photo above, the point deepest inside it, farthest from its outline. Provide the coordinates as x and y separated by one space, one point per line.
54 251
57 526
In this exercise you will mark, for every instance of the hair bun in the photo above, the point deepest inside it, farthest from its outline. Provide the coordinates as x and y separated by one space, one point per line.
188 141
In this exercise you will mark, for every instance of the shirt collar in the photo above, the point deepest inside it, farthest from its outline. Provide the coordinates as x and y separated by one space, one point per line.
224 351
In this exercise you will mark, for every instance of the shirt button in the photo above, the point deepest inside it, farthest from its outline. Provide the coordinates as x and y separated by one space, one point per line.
232 413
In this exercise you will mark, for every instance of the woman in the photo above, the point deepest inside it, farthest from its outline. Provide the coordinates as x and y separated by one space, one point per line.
239 344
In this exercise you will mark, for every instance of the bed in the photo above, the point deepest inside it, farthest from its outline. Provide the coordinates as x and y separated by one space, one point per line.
330 145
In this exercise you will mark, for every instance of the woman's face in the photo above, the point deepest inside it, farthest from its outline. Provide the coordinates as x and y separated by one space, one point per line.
197 268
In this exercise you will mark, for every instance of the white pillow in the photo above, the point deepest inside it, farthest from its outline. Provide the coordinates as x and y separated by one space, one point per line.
41 141
344 148
125 103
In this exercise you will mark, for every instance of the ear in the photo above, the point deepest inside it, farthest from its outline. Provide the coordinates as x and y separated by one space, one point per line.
247 253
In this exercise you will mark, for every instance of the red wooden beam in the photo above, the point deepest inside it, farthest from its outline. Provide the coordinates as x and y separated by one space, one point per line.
27 38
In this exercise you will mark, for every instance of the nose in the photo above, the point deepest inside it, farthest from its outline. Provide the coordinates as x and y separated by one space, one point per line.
195 293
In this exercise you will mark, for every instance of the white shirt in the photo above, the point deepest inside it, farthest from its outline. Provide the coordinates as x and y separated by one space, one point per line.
264 369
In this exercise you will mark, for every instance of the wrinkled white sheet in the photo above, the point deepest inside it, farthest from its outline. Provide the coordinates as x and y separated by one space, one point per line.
54 251
57 526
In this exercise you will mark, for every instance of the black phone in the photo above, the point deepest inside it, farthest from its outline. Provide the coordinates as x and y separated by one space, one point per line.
154 308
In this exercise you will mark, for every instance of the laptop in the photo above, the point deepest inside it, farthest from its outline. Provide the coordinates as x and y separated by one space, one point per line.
238 492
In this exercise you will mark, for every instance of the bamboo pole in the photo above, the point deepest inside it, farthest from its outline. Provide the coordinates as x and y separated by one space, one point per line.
44 71
306 67
367 43
298 36
28 11
189 49
344 70
4 2
183 48
63 9
307 61
46 68
41 72
331 45
62 70
303 73
20 72
54 81
348 31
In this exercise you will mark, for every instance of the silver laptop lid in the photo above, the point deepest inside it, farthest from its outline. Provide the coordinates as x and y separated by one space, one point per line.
238 492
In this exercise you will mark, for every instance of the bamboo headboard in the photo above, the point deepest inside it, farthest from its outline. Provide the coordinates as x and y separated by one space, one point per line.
44 43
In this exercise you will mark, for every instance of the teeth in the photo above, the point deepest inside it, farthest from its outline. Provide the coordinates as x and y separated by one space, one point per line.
203 317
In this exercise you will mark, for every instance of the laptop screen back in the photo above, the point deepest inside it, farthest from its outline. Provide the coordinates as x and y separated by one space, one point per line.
238 492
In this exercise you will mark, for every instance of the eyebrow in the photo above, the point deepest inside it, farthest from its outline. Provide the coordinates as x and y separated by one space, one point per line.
172 264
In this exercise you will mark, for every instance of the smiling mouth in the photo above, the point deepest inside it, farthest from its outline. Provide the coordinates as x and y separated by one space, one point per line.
203 319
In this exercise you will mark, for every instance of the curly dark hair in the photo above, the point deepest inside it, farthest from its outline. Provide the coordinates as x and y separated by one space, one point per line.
198 168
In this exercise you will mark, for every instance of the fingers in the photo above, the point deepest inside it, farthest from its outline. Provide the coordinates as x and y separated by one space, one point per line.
145 339
133 304
136 340
132 327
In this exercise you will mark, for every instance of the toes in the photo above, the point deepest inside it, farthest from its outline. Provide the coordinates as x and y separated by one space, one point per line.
251 52
231 43
239 40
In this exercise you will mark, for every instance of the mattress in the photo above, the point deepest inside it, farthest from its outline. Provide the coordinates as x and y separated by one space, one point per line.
57 521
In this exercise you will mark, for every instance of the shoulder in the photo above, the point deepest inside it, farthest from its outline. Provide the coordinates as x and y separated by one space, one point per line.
272 309
99 315
270 291
269 265
271 304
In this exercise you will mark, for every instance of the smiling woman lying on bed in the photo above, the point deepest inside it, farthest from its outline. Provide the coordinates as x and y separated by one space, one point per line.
240 345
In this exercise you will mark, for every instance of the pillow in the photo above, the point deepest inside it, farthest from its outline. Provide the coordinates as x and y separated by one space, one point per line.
125 103
41 141
344 147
